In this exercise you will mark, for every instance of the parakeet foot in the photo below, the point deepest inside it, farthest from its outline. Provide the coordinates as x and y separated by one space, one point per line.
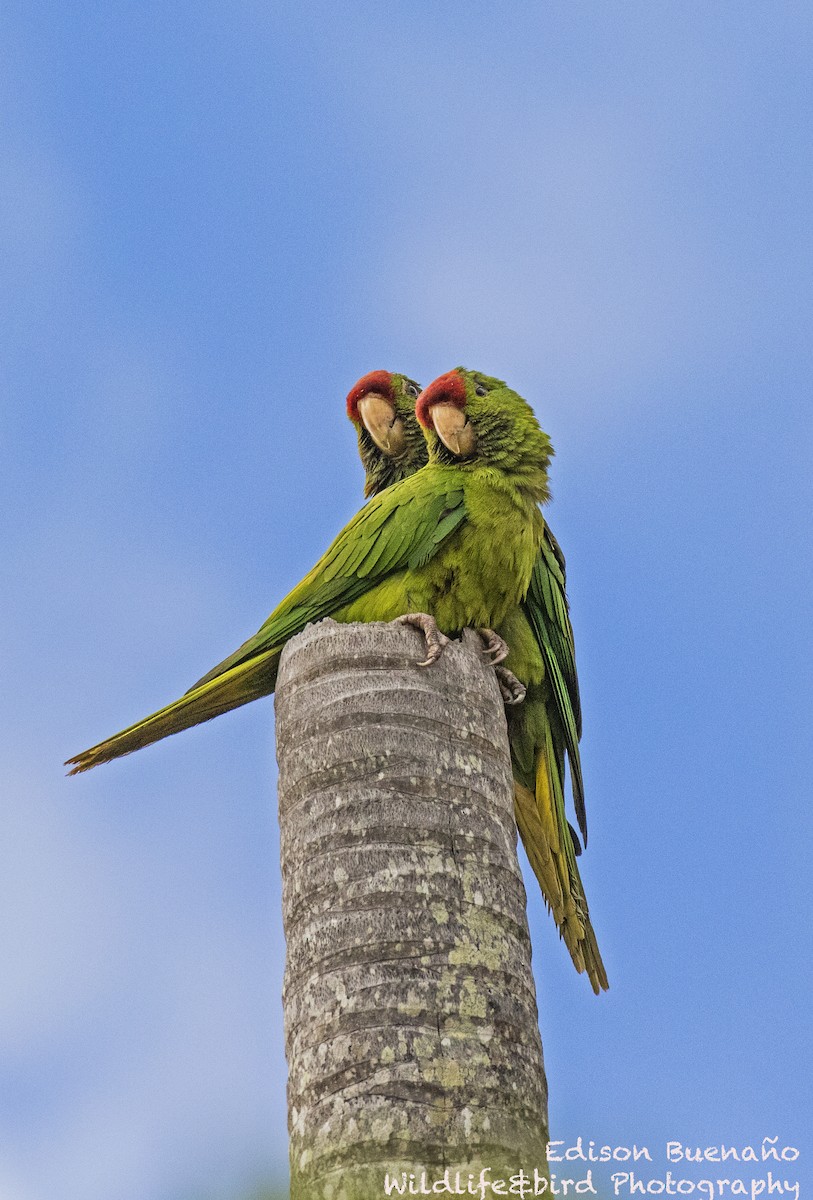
496 649
435 640
512 691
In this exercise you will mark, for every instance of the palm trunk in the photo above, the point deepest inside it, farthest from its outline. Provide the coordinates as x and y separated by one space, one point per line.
410 1010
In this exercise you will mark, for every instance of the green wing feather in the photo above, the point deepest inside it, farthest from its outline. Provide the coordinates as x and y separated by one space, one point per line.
403 527
547 610
543 737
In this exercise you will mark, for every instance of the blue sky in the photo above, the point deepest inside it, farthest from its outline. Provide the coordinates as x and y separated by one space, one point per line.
213 219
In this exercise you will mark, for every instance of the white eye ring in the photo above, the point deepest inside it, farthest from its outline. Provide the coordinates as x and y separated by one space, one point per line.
412 390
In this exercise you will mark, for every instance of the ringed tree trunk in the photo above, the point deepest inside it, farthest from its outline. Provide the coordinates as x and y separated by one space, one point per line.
409 1006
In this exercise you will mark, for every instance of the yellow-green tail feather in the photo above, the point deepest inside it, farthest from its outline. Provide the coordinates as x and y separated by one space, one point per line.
243 683
574 924
537 845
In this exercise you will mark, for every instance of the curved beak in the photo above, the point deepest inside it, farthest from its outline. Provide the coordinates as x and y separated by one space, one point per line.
384 427
453 428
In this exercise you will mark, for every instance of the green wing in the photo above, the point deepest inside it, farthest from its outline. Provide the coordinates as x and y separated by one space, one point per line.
558 714
546 608
401 528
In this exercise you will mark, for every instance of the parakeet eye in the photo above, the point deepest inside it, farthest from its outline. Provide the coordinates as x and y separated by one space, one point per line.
481 389
412 391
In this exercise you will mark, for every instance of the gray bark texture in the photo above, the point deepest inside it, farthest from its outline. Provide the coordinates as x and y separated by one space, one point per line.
410 1012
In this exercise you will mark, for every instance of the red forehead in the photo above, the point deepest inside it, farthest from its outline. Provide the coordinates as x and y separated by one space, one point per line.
375 381
446 389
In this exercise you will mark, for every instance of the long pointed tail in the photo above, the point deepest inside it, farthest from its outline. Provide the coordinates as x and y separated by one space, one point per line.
247 681
537 845
574 926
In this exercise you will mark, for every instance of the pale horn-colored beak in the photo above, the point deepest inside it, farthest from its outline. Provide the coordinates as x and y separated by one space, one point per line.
378 417
453 428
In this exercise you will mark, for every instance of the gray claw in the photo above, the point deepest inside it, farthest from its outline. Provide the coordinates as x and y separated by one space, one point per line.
512 691
496 648
435 640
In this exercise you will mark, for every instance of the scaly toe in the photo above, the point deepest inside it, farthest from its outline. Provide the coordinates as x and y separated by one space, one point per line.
433 653
434 640
512 691
496 649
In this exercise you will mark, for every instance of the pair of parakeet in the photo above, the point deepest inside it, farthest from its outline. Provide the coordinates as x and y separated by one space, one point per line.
451 537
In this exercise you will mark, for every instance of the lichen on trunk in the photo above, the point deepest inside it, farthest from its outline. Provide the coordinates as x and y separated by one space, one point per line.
410 1010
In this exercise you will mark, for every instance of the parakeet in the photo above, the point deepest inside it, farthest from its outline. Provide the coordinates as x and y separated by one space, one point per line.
391 445
451 546
547 727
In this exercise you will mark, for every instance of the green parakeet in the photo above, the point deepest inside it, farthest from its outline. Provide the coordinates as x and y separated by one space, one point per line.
391 445
547 728
456 541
